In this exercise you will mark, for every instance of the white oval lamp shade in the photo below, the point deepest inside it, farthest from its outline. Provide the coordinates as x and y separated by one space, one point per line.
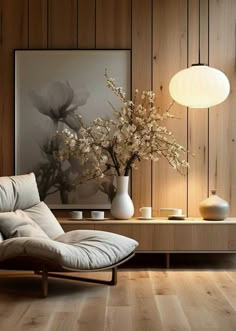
199 86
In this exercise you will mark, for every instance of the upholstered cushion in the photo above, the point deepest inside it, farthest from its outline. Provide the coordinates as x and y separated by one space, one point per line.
14 224
35 221
43 216
81 249
1 237
18 192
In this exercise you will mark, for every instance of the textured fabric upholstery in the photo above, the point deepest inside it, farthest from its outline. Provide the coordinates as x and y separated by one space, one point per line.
43 216
18 192
16 224
29 227
83 250
1 237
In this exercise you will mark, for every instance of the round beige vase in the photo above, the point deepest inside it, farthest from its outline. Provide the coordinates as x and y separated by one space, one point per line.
214 208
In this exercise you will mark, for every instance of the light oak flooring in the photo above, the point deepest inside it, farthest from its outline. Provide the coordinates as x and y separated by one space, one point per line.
190 296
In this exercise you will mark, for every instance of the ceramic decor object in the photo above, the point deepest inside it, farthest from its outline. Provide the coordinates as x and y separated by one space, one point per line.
214 208
122 206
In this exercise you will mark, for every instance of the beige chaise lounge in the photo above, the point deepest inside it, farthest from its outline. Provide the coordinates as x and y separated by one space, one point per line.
32 239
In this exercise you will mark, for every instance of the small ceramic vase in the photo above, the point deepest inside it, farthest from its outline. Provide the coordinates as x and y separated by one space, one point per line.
122 206
214 208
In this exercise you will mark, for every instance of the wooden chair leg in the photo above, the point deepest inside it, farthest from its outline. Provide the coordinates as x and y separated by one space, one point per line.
45 282
114 276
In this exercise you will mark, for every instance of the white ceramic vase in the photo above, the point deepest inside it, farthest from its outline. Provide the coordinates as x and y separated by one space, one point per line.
214 208
122 206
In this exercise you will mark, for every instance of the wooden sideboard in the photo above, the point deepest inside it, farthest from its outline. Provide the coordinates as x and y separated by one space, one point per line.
164 236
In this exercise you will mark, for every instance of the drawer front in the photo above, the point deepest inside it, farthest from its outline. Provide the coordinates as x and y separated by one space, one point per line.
76 226
179 237
199 237
142 233
170 237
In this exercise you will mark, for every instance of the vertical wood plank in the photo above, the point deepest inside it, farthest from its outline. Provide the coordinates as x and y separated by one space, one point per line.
198 118
86 23
38 23
170 56
113 23
13 34
141 79
222 134
62 23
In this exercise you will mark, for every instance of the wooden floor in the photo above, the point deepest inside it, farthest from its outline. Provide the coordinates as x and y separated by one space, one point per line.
195 296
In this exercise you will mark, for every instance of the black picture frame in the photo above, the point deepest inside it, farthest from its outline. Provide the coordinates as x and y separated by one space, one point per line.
33 68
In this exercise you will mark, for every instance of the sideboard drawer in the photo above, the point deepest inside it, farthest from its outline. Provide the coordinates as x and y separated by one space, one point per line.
76 226
179 237
141 232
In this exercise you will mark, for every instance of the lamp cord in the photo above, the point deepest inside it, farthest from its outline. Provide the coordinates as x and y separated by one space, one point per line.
199 36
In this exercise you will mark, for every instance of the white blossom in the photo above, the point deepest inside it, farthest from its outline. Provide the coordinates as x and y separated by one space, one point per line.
117 144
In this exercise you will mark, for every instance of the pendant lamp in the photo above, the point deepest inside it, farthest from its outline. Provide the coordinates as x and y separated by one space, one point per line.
199 86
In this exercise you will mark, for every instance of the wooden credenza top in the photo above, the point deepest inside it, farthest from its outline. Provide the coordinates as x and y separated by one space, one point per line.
190 221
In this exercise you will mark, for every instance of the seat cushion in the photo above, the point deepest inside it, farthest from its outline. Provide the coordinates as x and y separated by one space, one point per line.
14 224
80 249
18 192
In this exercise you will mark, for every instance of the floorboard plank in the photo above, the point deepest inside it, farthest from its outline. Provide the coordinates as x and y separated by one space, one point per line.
172 314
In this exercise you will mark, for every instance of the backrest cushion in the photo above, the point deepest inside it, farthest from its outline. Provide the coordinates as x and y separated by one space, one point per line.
19 197
18 192
14 224
1 237
43 216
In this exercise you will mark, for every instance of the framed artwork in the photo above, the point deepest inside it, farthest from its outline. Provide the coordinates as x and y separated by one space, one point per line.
51 88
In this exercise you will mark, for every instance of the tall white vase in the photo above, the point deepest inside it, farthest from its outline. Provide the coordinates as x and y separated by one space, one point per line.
122 206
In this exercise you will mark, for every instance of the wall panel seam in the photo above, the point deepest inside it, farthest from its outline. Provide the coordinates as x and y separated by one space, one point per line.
47 22
152 90
131 78
77 26
28 24
187 181
95 24
208 111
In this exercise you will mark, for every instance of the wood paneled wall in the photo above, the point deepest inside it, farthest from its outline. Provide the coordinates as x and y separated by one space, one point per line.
163 37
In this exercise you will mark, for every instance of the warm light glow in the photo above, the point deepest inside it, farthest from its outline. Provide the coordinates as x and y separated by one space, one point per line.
199 86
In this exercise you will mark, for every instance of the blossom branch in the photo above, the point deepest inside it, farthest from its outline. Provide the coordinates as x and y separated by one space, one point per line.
135 133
